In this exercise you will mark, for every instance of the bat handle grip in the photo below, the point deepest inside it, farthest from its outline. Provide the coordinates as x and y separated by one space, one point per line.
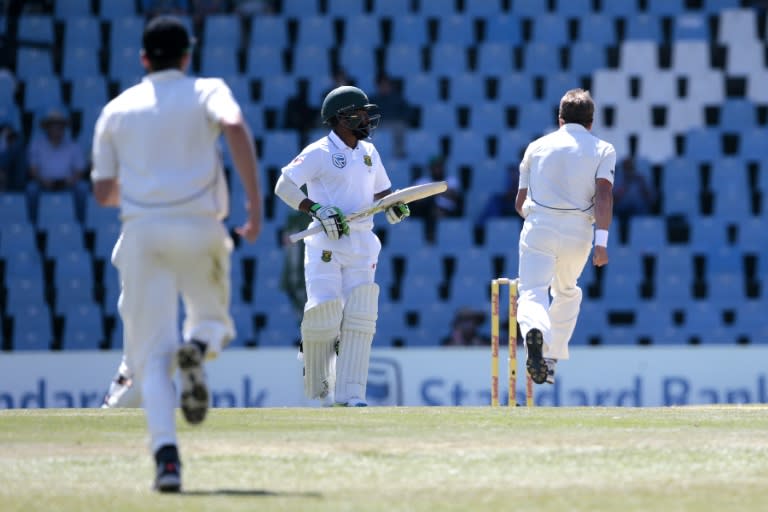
301 235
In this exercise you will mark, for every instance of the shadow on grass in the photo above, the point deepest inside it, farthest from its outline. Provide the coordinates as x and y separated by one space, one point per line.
251 492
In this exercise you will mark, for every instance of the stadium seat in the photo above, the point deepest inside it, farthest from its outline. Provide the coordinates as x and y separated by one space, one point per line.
753 237
32 329
503 230
487 118
55 207
268 31
419 289
362 30
620 291
23 264
658 89
125 66
556 84
741 57
474 262
218 61
591 322
513 145
243 317
494 59
672 290
753 146
652 320
125 32
597 29
455 28
467 148
117 9
87 91
674 259
407 234
276 89
448 59
702 145
315 31
401 60
439 118
624 9
13 209
515 88
16 236
79 61
504 29
551 29
36 28
537 117
646 233
32 63
68 9
656 145
279 147
409 30
83 327
541 59
310 61
105 235
639 57
454 232
707 233
573 8
585 57
421 142
344 8
265 62
82 32
466 89
610 86
683 201
63 236
625 260
643 27
750 321
690 27
392 8
737 27
42 92
222 30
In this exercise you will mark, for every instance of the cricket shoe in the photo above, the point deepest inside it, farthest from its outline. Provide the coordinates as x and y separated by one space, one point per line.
117 388
352 402
535 364
168 476
551 364
194 391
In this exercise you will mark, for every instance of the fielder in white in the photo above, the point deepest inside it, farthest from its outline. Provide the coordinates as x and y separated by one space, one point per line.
155 156
566 187
343 172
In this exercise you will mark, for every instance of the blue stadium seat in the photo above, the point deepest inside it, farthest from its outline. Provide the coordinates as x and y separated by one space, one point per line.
13 209
624 9
41 92
82 32
125 32
254 114
504 29
619 335
715 6
738 114
753 145
657 146
646 233
392 324
610 86
276 89
474 262
741 57
455 28
541 58
68 9
105 236
78 62
752 236
624 260
265 61
487 118
467 148
454 232
513 145
504 230
672 290
573 8
551 29
482 8
674 259
88 90
706 233
315 31
652 320
438 117
32 329
421 88
218 61
466 89
392 8
36 28
16 236
435 9
643 27
407 234
620 290
299 8
310 61
702 145
529 8
585 57
362 30
32 63
222 30
690 27
359 57
83 327
125 66
597 29
537 117
750 321
409 30
494 59
557 83
242 315
419 289
63 236
400 60
591 322
670 8
268 31
691 58
279 147
725 289
681 201
422 142
344 8
515 88
737 27
118 9
55 207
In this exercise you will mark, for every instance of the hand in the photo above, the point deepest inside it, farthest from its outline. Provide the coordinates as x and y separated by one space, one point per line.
599 256
331 219
397 212
251 229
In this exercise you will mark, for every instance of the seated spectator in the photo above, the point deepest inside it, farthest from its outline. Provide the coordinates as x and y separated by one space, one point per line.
12 159
448 204
396 113
55 160
465 329
632 194
501 203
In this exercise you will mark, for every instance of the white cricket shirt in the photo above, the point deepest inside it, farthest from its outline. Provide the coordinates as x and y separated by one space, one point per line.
559 170
337 175
159 139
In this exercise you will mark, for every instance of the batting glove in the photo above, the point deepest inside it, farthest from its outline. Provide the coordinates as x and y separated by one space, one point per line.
397 212
331 219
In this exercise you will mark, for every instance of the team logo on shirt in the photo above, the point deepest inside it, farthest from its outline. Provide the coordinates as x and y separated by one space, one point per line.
367 160
339 160
326 257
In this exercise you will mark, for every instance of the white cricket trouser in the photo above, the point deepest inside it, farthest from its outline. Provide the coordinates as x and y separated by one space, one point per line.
160 259
554 247
335 279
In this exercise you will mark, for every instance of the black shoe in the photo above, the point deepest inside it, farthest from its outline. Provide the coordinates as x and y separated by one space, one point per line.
194 390
168 477
535 364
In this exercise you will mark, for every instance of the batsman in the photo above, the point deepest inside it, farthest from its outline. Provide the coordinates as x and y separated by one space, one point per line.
343 172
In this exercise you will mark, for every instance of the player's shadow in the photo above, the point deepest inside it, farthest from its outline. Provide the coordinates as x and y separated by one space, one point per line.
250 492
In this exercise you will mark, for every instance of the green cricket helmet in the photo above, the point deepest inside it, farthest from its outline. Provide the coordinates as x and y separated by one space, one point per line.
343 105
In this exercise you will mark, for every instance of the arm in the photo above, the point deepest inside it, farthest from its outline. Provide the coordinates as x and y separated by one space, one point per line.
240 142
107 192
522 194
603 218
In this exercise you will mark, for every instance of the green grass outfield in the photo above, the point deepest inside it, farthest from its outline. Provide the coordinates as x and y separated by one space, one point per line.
395 459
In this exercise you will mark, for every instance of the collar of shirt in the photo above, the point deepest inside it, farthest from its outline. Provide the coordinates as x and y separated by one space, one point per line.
336 140
166 74
574 127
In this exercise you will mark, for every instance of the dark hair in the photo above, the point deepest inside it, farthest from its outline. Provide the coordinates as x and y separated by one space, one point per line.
165 42
577 106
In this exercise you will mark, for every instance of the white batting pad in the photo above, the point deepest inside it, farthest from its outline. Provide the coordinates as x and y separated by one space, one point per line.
357 330
319 330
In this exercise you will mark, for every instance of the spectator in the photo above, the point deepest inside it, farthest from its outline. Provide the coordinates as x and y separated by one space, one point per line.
448 204
56 161
501 203
632 194
12 161
465 329
298 114
395 111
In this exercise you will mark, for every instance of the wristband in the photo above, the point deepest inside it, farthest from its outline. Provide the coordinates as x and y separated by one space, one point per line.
601 237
